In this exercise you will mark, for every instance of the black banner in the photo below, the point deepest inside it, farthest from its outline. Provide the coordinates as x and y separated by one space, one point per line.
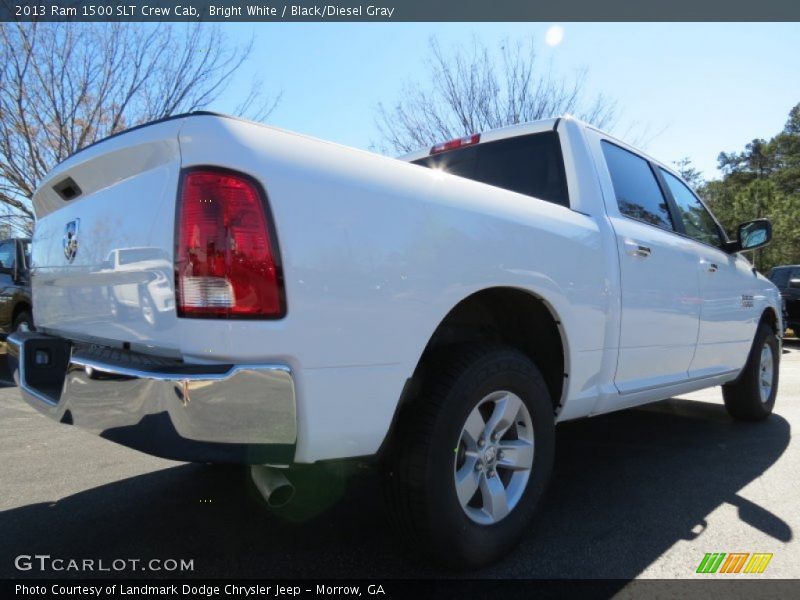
399 10
438 589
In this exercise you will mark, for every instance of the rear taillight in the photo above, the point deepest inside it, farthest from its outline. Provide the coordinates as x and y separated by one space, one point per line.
457 143
226 261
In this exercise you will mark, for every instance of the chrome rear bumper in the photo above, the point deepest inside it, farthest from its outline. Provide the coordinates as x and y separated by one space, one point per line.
202 413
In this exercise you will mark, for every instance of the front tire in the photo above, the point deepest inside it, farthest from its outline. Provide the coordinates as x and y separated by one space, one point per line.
23 322
752 396
473 456
148 309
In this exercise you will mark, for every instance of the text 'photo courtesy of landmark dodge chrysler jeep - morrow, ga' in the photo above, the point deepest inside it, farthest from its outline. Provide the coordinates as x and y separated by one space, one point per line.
289 300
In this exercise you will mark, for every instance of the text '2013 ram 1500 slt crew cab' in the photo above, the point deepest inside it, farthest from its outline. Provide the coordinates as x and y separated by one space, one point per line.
298 301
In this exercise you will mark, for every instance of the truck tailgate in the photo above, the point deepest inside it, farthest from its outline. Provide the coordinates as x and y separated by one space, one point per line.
103 243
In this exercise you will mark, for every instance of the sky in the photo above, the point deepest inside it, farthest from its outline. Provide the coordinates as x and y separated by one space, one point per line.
681 90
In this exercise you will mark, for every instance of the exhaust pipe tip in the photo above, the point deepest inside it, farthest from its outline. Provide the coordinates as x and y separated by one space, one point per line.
281 496
272 484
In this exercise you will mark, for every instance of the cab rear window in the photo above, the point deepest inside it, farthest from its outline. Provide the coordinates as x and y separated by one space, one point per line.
528 164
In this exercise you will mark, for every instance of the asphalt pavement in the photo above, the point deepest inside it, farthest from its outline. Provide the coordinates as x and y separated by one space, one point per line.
642 493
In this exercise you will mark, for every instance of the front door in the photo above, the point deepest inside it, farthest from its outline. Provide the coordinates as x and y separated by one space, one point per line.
728 316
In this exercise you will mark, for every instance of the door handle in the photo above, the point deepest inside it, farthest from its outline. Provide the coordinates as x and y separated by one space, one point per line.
712 268
637 249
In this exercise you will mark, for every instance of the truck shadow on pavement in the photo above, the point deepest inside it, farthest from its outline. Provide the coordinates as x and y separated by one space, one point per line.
627 487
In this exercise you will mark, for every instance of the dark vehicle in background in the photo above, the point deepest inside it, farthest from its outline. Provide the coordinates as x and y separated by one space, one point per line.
787 280
16 312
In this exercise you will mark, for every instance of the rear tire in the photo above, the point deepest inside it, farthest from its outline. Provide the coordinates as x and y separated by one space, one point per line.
435 448
752 396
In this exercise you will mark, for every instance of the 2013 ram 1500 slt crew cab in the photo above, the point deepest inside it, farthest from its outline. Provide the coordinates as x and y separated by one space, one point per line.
316 302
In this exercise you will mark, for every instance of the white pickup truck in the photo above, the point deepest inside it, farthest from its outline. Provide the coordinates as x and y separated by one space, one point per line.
439 313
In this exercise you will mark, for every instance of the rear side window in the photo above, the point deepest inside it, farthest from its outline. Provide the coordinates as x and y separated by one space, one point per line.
636 188
135 255
528 164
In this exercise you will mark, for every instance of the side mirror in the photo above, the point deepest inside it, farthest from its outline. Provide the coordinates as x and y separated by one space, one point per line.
794 284
752 235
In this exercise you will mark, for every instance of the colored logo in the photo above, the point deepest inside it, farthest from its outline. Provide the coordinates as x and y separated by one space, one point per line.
734 562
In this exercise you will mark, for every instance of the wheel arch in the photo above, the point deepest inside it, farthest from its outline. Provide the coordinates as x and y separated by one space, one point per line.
20 307
466 322
770 317
514 316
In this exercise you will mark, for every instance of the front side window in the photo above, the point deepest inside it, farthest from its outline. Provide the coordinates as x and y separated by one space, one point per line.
697 221
636 188
527 164
779 277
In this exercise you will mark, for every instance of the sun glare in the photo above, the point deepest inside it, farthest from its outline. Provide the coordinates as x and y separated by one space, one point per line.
554 35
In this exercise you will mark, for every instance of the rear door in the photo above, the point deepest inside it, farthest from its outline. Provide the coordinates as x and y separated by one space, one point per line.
660 301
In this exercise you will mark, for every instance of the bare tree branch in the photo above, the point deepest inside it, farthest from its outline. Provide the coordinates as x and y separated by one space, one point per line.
475 88
64 86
